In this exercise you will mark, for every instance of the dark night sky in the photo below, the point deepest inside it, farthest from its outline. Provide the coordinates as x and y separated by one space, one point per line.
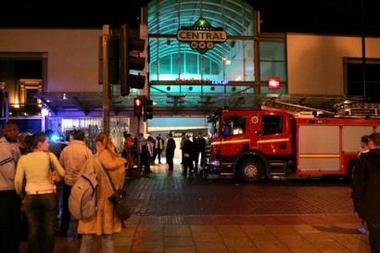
342 17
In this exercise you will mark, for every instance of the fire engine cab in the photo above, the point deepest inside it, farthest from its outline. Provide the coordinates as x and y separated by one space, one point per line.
289 140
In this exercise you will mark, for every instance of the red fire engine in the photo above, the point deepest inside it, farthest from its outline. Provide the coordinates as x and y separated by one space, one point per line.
288 140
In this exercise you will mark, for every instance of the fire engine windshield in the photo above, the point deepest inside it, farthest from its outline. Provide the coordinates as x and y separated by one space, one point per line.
213 125
234 125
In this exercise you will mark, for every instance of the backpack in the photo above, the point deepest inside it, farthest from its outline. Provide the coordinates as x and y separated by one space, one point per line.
82 199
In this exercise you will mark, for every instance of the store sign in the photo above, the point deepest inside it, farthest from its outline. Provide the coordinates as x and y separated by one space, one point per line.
202 81
201 35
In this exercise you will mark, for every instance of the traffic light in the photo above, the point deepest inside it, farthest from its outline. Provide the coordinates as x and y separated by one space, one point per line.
138 103
130 60
148 109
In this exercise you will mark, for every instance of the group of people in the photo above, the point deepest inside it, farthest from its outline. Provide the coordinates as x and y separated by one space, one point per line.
26 187
151 148
193 153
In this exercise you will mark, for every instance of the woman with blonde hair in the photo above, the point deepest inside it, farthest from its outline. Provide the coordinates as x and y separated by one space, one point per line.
41 200
105 221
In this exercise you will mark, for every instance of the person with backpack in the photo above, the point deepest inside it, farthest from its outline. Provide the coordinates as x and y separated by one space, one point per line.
41 201
104 222
72 159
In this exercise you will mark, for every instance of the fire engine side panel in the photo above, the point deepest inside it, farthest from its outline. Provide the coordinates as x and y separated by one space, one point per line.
351 137
318 149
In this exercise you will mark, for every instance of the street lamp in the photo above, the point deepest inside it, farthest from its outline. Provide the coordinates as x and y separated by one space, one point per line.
363 53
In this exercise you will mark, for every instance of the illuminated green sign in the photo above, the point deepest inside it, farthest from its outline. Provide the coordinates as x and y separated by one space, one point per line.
201 35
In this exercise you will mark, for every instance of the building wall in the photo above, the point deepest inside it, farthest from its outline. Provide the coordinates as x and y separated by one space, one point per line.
72 55
315 62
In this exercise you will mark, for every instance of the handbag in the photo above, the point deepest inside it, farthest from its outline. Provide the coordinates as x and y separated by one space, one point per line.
53 175
118 197
122 208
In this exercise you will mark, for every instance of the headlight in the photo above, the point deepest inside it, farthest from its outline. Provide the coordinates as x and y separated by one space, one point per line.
215 163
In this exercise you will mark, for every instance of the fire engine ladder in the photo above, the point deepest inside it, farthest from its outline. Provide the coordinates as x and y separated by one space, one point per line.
356 109
295 109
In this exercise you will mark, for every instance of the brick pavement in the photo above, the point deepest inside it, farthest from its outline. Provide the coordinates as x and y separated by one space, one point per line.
334 231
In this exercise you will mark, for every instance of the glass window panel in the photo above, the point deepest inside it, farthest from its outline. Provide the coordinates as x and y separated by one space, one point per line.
249 60
165 65
153 71
239 64
272 51
268 69
191 63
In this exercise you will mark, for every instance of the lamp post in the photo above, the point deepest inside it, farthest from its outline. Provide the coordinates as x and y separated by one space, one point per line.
363 53
106 84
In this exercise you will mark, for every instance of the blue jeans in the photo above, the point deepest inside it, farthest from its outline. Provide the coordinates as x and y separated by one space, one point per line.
65 216
374 237
41 212
88 242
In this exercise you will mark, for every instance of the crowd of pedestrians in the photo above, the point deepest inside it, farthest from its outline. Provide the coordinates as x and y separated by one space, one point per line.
149 151
193 153
31 202
32 197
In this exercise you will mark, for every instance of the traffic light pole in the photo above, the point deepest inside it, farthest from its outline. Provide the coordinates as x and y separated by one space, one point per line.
138 145
106 84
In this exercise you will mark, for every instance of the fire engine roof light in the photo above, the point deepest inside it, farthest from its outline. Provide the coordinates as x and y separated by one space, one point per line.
273 95
347 102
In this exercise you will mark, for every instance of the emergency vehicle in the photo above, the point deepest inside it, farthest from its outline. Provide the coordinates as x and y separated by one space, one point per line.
282 139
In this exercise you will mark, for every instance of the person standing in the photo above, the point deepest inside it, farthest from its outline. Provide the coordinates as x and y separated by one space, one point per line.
41 201
154 150
188 156
183 139
72 159
127 152
10 202
147 155
366 188
105 221
199 151
170 148
22 139
365 148
158 146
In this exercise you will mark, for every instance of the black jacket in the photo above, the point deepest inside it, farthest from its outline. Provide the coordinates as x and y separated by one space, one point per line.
366 186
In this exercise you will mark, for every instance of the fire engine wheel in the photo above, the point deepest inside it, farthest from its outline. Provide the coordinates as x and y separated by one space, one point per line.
251 170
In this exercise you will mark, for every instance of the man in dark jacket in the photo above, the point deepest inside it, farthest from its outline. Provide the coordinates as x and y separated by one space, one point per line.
170 148
366 190
10 202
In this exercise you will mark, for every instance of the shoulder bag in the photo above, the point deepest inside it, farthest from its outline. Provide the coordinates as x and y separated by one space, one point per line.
53 175
118 197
